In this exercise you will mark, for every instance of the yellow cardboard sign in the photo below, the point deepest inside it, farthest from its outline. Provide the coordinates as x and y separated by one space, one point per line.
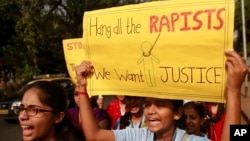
74 54
165 49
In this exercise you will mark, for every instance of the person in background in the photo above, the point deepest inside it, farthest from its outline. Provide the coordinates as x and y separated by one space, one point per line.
134 118
161 114
101 115
116 109
43 114
100 101
216 117
74 111
194 114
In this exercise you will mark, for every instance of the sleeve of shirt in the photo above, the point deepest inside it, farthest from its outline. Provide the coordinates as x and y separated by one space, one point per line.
180 133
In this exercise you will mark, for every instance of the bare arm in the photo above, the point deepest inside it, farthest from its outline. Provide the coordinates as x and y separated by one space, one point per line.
236 72
90 127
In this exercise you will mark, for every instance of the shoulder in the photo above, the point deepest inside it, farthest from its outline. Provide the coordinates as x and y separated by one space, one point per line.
73 110
180 133
100 114
114 102
197 138
100 111
133 134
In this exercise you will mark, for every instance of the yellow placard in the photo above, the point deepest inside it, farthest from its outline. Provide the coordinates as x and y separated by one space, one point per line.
74 54
164 49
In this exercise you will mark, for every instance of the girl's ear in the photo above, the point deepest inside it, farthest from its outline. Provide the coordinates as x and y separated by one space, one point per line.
203 120
60 117
178 113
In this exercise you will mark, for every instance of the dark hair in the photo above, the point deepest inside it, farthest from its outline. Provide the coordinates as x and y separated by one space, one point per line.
177 104
218 115
212 119
94 102
199 107
55 96
125 120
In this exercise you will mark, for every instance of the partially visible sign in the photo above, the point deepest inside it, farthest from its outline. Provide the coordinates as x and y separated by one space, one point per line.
74 54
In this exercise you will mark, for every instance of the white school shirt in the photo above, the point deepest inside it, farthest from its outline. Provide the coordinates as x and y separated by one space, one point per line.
143 134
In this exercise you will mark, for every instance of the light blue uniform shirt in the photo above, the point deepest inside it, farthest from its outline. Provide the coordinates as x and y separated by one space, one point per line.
143 134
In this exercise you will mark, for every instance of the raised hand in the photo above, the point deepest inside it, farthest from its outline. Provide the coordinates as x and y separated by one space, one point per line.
236 71
83 71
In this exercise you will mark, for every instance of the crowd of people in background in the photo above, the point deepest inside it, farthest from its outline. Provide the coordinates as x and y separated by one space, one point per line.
204 119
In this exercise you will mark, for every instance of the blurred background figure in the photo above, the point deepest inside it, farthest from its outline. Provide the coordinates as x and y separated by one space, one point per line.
116 109
216 117
134 118
74 111
194 115
100 101
101 115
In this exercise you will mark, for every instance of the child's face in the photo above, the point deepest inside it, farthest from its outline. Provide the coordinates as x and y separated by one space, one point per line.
160 115
135 104
193 120
100 102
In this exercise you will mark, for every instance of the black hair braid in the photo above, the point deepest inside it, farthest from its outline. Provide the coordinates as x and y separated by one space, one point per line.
125 120
219 113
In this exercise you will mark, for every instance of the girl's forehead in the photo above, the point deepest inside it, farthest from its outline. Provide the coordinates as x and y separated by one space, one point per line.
31 97
189 108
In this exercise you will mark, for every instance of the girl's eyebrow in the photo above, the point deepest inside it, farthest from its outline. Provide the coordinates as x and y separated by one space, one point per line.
31 106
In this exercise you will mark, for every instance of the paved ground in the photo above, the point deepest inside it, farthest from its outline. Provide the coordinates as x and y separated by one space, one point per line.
245 104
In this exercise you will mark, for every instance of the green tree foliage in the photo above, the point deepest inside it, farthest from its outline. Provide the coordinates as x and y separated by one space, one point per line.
9 13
